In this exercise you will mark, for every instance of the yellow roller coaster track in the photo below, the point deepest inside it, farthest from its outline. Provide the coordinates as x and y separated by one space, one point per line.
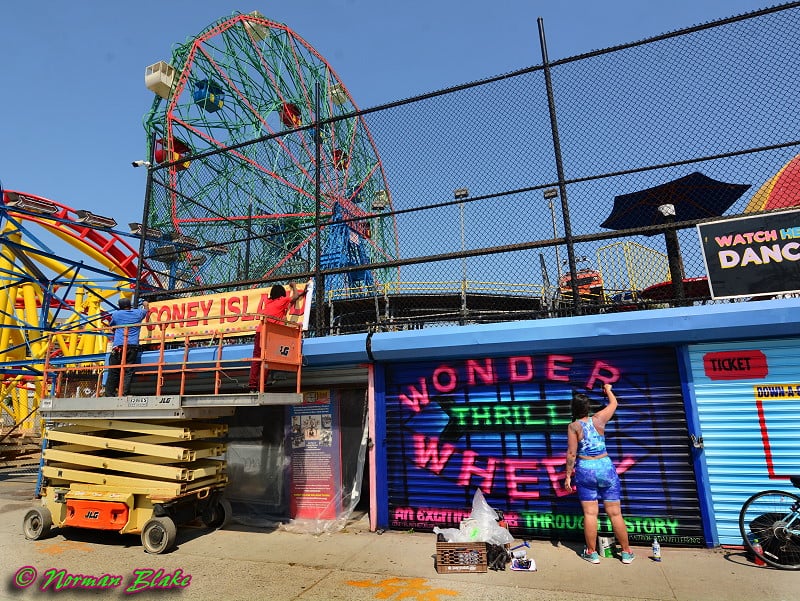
42 292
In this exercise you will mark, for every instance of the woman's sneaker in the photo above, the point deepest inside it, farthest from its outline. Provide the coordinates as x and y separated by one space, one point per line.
592 557
628 557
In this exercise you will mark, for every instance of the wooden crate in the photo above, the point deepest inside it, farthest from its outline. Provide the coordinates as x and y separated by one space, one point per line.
458 558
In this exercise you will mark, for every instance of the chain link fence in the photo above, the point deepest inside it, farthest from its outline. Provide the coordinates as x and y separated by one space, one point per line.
514 197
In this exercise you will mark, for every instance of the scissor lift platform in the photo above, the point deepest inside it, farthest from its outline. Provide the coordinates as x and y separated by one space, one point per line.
136 464
160 406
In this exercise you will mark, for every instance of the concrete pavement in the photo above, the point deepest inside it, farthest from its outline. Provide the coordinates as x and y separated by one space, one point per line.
243 563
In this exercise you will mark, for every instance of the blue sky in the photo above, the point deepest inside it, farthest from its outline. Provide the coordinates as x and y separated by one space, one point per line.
73 95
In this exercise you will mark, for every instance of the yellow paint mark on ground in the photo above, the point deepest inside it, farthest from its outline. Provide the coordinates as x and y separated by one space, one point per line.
404 588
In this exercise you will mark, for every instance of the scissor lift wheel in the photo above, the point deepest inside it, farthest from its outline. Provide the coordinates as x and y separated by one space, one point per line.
217 515
37 523
159 534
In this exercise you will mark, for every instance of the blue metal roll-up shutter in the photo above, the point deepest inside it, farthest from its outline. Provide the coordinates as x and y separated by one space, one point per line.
499 424
748 403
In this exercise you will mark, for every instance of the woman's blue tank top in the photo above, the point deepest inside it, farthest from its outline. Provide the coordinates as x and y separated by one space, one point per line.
593 443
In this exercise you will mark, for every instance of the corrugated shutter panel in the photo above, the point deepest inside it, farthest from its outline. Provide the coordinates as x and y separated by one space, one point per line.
315 377
499 424
748 401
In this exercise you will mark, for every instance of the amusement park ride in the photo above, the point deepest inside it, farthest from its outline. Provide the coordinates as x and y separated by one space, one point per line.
242 79
44 292
240 212
258 168
219 209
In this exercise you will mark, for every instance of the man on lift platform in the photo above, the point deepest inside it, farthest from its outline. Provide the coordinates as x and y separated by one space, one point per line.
274 310
125 341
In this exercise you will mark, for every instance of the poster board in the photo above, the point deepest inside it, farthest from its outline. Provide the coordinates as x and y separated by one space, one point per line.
751 256
230 313
315 457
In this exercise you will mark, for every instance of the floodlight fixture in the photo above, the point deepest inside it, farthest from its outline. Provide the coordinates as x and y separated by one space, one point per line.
460 193
196 260
89 218
184 240
33 205
166 254
137 229
667 210
216 249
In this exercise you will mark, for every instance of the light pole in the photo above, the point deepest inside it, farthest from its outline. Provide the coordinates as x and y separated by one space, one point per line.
549 195
460 195
145 221
673 254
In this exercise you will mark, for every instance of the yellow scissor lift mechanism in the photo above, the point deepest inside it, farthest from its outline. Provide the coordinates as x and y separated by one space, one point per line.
142 464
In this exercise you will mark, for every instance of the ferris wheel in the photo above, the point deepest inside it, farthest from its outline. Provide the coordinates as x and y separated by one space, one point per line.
224 209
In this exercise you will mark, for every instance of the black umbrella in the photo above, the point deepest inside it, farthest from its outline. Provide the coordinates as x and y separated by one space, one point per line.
694 196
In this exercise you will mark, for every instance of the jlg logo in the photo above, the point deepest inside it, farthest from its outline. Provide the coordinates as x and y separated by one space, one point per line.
92 515
284 351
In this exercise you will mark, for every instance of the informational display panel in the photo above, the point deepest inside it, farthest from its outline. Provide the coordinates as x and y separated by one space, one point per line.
315 458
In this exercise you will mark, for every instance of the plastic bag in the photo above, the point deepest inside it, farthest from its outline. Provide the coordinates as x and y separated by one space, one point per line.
489 530
451 535
480 526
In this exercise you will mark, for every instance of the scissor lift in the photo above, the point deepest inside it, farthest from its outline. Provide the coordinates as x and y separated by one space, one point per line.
138 465
144 464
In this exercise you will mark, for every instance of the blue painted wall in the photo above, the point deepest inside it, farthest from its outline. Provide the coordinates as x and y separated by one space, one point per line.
749 418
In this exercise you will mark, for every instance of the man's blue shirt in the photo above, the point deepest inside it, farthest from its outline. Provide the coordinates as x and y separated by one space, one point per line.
126 317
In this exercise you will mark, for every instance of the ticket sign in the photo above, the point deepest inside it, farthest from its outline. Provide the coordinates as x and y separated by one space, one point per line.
751 256
229 313
735 365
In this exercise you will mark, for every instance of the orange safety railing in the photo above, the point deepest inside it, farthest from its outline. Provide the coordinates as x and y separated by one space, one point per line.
281 350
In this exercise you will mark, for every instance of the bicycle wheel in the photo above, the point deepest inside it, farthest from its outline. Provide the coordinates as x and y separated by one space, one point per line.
773 517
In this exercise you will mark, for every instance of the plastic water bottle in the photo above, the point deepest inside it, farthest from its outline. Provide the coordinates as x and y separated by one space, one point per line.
656 550
605 546
757 552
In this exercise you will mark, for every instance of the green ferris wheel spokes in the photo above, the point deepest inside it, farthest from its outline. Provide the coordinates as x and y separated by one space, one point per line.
244 78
